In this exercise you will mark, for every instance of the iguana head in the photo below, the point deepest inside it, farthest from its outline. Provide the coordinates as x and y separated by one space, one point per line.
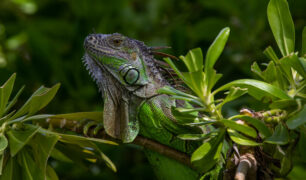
125 73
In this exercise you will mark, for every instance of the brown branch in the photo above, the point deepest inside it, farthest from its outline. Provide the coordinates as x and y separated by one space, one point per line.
163 149
247 167
139 140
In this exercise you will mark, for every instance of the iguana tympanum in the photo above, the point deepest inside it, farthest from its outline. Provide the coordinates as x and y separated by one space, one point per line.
128 77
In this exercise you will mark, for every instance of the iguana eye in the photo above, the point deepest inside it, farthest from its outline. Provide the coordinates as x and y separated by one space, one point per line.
117 42
131 76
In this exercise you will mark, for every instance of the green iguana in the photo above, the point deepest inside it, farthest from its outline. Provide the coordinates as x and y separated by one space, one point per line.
128 77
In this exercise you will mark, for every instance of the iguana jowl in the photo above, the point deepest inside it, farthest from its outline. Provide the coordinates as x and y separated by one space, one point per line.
128 78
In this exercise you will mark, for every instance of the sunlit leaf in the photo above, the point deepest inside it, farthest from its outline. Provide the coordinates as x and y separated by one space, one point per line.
216 48
297 120
189 100
281 104
3 142
292 61
207 155
193 60
245 129
282 26
240 139
262 89
211 79
256 69
270 53
19 138
197 136
14 100
40 98
5 93
172 91
280 136
195 81
303 62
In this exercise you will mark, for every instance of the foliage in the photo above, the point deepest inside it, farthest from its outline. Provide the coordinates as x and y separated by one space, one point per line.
42 41
25 147
283 87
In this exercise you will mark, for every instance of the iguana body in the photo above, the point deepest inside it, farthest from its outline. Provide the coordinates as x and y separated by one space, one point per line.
128 78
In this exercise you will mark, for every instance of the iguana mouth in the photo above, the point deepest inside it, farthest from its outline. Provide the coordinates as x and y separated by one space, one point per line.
93 46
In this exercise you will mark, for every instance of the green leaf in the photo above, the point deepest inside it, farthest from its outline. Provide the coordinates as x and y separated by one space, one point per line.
107 161
280 136
292 61
14 100
286 164
1 163
211 79
302 146
5 93
256 69
282 104
79 116
42 146
19 138
303 51
58 155
297 120
303 62
274 75
197 136
75 139
195 81
193 60
30 170
216 48
240 139
76 153
8 170
40 98
258 124
51 174
261 89
282 26
208 154
234 93
270 53
3 142
247 130
172 91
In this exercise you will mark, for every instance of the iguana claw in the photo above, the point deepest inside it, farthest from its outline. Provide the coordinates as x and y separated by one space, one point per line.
88 125
97 129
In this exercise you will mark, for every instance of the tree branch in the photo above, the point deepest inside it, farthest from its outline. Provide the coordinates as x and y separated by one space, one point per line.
247 167
150 144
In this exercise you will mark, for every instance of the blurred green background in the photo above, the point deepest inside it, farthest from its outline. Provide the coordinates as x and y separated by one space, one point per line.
42 40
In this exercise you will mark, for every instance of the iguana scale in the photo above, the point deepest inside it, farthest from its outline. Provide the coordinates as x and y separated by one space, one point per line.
128 77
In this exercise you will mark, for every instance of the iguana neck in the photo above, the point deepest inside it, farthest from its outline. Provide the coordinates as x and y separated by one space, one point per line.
126 75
